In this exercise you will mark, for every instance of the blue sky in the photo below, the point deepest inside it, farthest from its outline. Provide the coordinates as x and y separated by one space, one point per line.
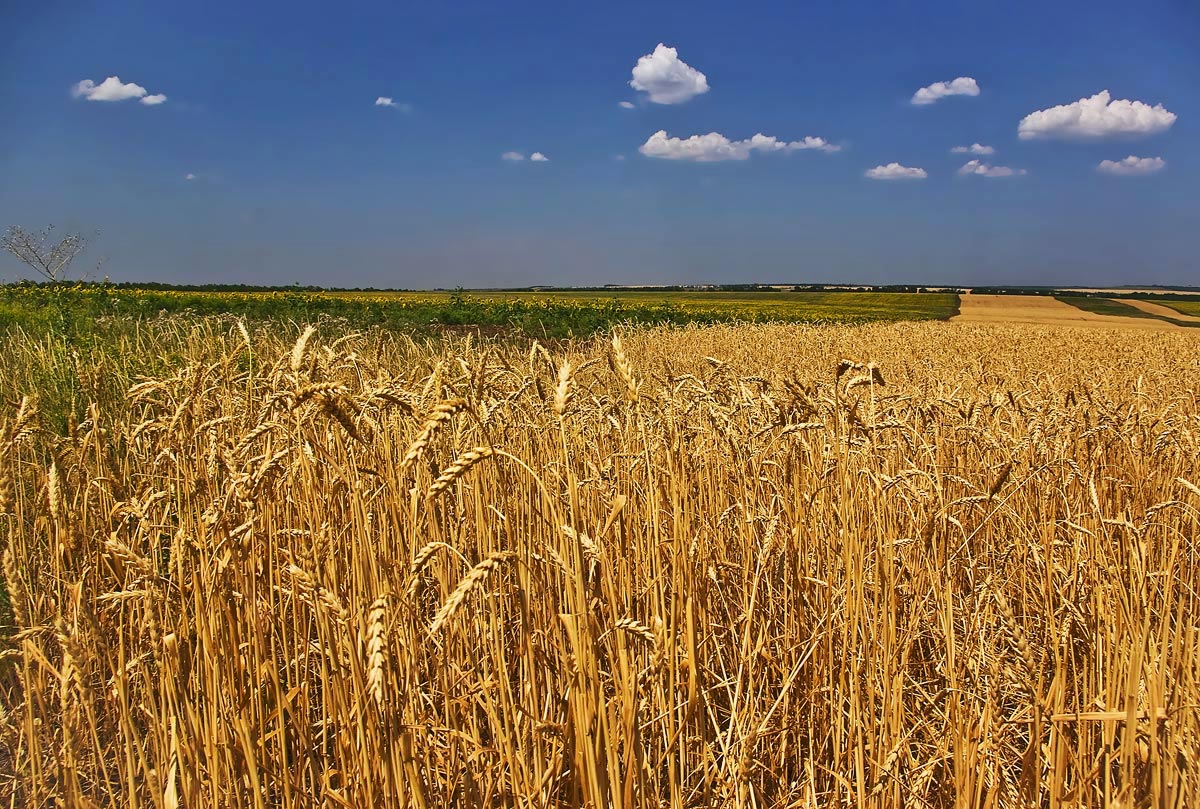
297 175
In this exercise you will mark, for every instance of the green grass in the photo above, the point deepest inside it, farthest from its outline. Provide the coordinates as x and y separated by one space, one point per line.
1107 306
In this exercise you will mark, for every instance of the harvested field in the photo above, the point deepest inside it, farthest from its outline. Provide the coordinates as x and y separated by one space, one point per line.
1043 310
944 565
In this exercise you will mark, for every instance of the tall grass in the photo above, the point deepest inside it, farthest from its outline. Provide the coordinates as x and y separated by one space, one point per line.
914 564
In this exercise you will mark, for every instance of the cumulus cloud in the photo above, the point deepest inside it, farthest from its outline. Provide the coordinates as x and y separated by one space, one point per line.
1132 166
667 79
810 142
895 171
984 170
538 157
1096 117
113 89
189 176
512 156
962 86
974 148
715 147
627 105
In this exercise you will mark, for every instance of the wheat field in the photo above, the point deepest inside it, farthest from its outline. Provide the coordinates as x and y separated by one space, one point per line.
927 565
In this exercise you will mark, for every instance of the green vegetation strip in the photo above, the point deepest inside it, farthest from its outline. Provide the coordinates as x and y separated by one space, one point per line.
79 308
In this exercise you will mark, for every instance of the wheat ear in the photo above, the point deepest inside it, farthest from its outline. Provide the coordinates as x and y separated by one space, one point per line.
440 415
457 469
299 348
472 580
375 644
624 368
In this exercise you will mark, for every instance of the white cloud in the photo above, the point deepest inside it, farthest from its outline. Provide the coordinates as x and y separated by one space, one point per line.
189 176
974 148
516 157
1096 117
1132 166
715 147
894 171
810 142
387 101
113 89
962 86
984 170
627 105
666 79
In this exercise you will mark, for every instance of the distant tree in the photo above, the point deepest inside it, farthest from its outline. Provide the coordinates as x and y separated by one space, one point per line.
49 257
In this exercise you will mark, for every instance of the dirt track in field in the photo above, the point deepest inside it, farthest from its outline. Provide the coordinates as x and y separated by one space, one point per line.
1044 310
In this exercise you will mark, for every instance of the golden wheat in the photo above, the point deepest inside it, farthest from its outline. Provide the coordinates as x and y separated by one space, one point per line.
716 566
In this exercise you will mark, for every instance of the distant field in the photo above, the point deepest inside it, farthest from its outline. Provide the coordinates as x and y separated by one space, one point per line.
539 314
1128 308
1105 306
1132 291
784 306
1159 310
1050 310
1190 308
